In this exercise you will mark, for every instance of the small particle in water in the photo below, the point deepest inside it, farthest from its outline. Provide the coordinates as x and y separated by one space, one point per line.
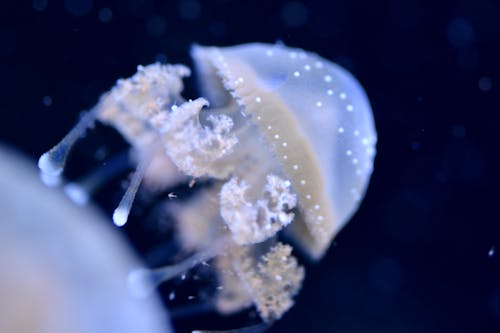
161 58
78 7
458 131
460 33
40 5
386 276
171 296
415 146
105 15
190 9
218 29
172 195
491 252
101 153
156 26
294 14
47 101
485 84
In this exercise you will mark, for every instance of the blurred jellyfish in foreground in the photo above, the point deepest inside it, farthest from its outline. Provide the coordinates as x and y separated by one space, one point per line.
285 137
62 269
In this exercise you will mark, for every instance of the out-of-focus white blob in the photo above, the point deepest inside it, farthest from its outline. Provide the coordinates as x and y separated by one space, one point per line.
62 268
77 194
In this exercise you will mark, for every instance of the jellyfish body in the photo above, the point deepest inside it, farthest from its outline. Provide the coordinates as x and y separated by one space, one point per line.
62 268
288 140
314 117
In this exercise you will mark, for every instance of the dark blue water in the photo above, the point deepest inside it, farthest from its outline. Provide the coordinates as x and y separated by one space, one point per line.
423 252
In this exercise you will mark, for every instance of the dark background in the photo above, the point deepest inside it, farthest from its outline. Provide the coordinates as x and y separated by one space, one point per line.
419 256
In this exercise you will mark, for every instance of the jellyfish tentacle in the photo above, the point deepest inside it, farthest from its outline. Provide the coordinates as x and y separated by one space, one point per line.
253 223
257 328
52 162
120 215
81 190
129 107
142 282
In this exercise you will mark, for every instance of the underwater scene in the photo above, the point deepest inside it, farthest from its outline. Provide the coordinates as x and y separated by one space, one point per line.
249 166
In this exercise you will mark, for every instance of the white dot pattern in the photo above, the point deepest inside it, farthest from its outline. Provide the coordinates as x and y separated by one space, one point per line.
332 112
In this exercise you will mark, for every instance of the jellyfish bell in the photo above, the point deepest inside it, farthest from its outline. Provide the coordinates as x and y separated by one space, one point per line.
63 269
315 118
287 139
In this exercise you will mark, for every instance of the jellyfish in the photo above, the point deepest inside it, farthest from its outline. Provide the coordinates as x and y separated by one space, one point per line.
63 269
287 140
